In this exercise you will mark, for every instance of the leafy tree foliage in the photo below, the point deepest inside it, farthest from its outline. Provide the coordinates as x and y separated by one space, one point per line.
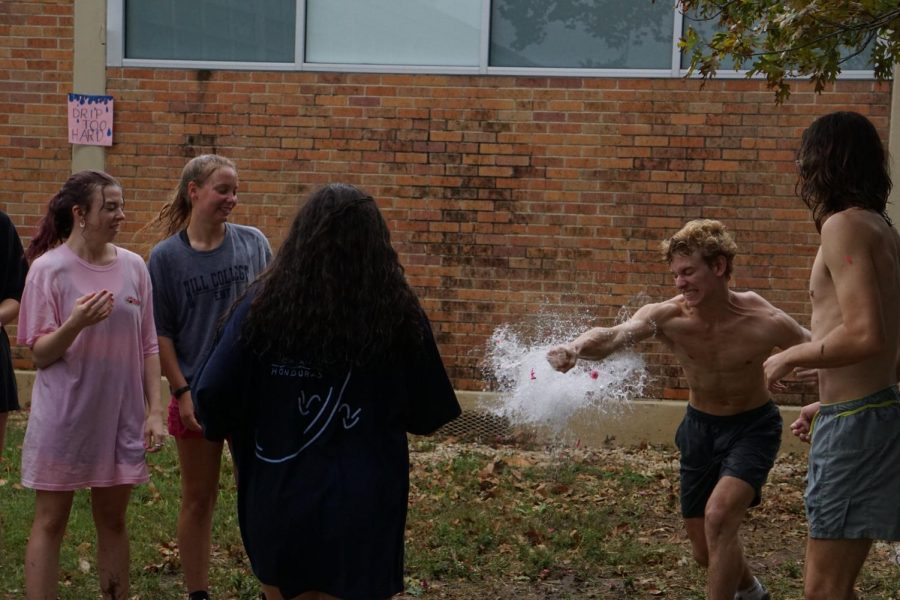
781 39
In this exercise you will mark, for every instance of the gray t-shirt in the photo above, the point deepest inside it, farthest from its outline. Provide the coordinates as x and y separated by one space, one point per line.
193 289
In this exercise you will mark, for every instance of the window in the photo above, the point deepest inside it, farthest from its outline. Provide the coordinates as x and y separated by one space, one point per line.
586 34
612 38
210 30
705 29
393 32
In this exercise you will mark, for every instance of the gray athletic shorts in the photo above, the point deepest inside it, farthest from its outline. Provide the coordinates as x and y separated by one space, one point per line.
853 487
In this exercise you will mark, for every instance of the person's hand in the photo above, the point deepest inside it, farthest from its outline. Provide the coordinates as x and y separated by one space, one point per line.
777 368
92 308
802 425
562 358
186 412
154 432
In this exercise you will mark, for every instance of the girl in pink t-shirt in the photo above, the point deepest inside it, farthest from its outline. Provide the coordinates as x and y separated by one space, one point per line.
87 316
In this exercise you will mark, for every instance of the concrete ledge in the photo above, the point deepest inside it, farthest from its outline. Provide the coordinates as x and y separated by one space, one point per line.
647 421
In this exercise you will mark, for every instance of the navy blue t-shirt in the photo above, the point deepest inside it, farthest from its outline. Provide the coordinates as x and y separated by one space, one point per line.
322 460
13 269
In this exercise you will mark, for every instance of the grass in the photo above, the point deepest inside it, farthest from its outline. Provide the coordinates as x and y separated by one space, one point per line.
528 522
513 523
507 522
155 572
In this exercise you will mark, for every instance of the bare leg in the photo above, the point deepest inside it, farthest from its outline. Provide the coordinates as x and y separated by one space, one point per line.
109 505
725 511
200 461
51 514
832 567
696 532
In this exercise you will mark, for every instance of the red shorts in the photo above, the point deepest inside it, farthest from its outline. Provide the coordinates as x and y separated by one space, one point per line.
176 427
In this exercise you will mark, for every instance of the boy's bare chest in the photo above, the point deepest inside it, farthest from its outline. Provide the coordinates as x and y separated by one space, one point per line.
730 345
822 296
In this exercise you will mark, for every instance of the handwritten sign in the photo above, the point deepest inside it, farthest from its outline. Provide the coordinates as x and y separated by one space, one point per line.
90 120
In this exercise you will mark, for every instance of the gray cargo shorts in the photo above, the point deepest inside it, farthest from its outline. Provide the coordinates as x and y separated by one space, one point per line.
853 485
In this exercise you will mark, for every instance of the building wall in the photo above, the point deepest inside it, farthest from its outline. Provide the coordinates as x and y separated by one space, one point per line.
35 75
512 200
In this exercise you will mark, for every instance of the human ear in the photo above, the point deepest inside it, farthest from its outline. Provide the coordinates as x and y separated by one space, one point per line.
720 265
192 190
77 214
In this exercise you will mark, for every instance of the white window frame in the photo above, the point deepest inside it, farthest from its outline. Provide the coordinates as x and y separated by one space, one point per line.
115 57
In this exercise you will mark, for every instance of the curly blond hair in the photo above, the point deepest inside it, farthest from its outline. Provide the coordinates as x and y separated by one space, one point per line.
711 238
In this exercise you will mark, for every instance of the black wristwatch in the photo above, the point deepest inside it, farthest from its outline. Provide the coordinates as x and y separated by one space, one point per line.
177 393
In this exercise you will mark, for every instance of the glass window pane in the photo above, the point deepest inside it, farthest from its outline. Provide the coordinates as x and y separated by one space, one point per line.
705 29
598 34
860 62
394 32
227 30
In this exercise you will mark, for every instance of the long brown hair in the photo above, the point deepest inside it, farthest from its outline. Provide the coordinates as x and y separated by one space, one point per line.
56 225
336 292
176 214
842 164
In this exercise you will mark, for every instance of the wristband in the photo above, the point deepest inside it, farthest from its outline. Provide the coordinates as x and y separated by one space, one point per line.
177 393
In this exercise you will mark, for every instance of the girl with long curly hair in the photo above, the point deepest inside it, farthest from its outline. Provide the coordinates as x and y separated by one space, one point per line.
320 371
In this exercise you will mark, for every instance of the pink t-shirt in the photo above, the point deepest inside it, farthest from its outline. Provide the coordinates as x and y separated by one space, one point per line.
87 415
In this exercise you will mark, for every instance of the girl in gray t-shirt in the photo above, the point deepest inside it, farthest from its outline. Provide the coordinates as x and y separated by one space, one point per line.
203 265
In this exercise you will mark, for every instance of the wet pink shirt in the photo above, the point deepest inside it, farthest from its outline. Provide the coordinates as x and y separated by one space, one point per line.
85 428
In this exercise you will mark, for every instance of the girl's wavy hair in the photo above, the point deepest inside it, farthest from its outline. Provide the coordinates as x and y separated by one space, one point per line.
176 214
335 292
711 238
57 224
842 164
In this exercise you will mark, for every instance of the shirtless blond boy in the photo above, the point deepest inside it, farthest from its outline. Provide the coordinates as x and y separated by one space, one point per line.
853 483
732 430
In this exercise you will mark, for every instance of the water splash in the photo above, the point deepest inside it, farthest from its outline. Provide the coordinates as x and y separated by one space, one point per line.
531 392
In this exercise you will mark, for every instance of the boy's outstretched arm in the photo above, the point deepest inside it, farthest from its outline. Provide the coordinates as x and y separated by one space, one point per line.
599 342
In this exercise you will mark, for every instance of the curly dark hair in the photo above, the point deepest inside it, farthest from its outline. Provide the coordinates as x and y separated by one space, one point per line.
335 293
842 164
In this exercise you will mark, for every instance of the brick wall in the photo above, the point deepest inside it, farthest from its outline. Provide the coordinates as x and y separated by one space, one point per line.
508 197
35 76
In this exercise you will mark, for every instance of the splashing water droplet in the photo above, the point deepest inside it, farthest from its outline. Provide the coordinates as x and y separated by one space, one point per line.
531 392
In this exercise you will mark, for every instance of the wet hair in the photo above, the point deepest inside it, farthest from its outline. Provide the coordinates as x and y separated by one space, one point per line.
176 214
842 164
711 238
56 225
335 293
